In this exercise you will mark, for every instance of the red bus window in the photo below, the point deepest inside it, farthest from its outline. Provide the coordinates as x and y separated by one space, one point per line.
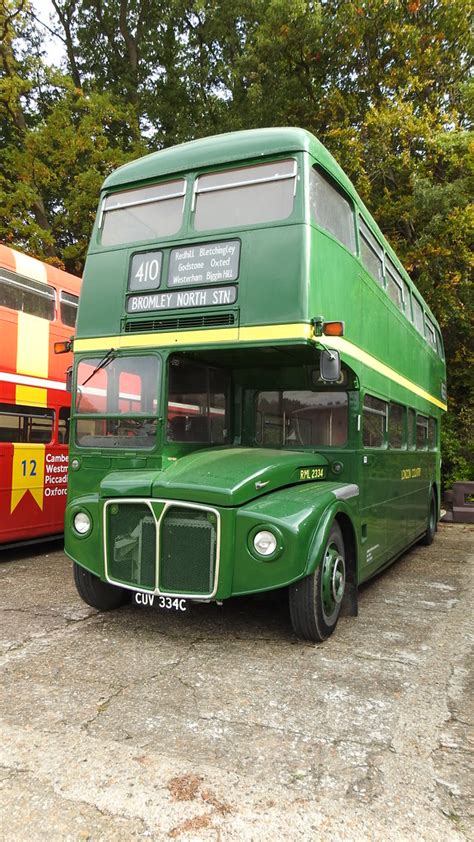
68 308
26 424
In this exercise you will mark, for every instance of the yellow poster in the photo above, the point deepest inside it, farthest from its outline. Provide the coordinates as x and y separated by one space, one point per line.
28 473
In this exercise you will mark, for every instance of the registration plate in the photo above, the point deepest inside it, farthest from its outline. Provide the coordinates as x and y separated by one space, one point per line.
169 603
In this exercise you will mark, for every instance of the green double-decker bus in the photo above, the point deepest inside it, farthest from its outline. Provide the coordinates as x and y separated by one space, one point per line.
258 385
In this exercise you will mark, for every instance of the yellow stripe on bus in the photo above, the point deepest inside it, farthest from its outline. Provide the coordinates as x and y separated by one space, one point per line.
260 333
31 395
346 347
32 353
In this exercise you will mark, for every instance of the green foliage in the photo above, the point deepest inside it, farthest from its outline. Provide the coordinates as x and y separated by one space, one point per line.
383 84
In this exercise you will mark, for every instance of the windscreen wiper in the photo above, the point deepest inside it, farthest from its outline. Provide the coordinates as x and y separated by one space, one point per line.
110 355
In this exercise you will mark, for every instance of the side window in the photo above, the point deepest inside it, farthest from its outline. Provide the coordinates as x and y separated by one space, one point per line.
395 425
371 252
27 296
421 432
395 285
411 440
68 308
440 344
430 333
331 210
302 418
432 437
25 424
374 422
407 300
63 425
418 316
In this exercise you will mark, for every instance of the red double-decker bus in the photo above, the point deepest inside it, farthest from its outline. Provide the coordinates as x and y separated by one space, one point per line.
38 306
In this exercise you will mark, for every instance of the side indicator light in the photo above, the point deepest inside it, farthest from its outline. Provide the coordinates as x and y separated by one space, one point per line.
63 347
333 328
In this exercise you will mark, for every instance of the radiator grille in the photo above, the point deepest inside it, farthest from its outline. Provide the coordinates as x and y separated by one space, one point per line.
188 551
181 322
131 544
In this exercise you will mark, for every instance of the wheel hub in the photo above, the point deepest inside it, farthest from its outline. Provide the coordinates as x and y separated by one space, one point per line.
333 580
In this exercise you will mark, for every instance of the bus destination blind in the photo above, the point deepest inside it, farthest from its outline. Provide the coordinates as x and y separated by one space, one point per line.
204 263
184 298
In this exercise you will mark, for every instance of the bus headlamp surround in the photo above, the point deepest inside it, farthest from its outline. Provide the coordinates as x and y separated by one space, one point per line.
82 523
265 542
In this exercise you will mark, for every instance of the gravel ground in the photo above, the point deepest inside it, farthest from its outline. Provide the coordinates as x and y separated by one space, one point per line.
219 725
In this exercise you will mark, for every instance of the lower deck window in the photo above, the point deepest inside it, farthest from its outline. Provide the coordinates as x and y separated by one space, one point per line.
301 418
421 432
374 422
432 434
117 400
26 424
396 436
197 403
130 433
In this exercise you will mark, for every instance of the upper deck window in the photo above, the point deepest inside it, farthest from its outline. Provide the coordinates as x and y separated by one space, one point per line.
26 295
245 196
371 252
430 333
68 304
418 315
143 214
331 210
397 288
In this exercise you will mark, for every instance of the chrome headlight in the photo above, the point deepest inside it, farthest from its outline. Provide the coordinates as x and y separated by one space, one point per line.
265 542
82 523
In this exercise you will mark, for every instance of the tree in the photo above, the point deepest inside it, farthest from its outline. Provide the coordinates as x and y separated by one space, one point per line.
381 83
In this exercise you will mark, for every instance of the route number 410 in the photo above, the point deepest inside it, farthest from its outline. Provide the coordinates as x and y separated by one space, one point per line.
148 270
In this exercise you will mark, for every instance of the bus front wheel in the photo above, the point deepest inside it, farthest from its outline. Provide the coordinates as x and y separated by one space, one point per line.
96 593
315 602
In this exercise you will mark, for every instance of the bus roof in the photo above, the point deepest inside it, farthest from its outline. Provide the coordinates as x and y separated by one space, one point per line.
223 149
30 267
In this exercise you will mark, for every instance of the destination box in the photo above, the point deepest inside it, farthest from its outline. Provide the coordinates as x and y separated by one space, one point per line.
205 263
182 299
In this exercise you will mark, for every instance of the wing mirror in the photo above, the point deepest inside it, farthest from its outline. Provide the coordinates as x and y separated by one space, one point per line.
330 365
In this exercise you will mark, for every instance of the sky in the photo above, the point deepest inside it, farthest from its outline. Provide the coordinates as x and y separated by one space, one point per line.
53 46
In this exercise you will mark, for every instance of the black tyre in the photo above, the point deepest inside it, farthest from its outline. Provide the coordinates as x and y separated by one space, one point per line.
315 602
428 537
96 593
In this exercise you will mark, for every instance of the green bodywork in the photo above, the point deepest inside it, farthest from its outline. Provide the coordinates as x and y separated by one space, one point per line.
290 272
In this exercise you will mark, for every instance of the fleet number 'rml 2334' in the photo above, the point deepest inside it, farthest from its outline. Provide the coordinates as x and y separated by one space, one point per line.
312 473
410 473
168 602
